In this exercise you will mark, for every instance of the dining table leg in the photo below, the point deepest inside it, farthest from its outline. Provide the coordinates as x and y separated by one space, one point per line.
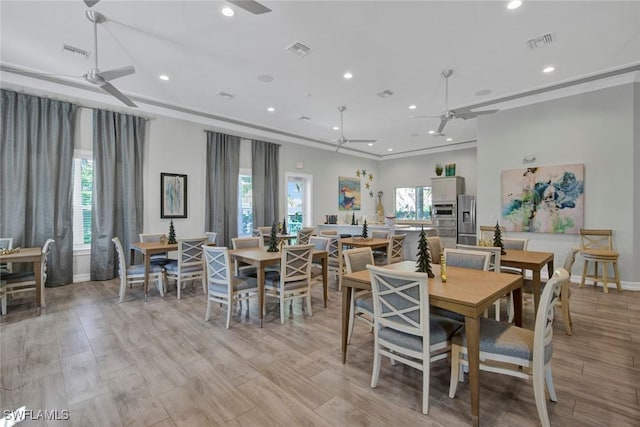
472 330
325 280
346 306
147 267
535 287
37 271
517 306
261 292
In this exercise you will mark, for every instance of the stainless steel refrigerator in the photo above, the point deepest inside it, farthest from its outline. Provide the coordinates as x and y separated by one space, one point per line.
467 220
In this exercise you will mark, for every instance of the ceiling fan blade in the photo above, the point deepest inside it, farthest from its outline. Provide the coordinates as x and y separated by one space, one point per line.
91 3
109 88
251 6
358 141
472 114
443 122
425 117
116 73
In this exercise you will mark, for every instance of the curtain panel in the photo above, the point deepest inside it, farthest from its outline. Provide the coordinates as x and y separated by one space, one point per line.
36 158
265 157
118 141
223 167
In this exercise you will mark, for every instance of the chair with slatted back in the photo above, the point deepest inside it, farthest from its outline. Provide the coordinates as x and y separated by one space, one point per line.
357 259
514 351
15 283
395 250
380 234
335 261
159 259
596 246
435 246
212 237
294 279
320 244
6 243
405 331
304 234
190 264
222 285
134 274
240 268
265 232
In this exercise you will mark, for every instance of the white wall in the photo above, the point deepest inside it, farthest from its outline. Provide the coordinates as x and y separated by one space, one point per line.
594 128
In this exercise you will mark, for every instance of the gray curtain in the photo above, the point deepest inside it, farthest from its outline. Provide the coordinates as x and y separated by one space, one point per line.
36 158
223 167
264 181
117 187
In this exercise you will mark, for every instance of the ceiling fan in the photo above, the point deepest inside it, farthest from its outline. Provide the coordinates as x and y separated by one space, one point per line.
344 140
452 114
102 78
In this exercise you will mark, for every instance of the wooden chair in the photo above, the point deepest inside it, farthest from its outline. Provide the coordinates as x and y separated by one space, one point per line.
294 280
6 243
596 246
565 292
487 232
334 259
160 259
320 244
222 285
134 274
304 234
357 259
380 234
404 330
511 350
15 283
435 246
395 250
494 265
241 243
212 237
190 264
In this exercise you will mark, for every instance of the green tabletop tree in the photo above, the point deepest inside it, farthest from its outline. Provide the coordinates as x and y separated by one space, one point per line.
423 265
273 239
497 239
365 230
172 234
284 225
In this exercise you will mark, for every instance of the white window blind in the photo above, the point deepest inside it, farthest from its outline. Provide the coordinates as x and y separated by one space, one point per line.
82 198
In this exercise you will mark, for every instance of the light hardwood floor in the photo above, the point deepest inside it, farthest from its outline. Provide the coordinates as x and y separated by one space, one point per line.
158 363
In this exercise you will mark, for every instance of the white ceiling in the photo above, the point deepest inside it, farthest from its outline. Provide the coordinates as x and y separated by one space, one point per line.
401 46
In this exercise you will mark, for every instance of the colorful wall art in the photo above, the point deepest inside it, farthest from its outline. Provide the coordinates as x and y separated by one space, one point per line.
348 194
545 199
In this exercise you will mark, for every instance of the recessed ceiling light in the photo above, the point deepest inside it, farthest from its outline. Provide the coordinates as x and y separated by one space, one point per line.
348 75
449 139
483 92
412 107
370 144
548 69
431 132
336 128
265 78
163 77
227 11
514 4
271 109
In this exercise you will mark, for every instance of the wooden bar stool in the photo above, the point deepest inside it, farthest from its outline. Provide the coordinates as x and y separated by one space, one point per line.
596 246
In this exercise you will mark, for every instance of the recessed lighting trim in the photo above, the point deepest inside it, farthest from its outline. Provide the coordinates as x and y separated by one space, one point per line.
449 139
514 4
389 149
227 11
265 78
370 144
548 69
163 77
348 75
412 107
271 109
431 132
335 128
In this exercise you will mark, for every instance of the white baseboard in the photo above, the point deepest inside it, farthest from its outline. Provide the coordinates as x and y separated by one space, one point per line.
81 278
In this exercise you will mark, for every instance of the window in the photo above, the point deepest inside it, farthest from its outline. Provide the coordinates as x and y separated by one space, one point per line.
245 211
298 201
82 199
413 203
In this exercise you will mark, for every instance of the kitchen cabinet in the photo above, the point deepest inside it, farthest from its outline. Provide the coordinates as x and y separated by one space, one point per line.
447 188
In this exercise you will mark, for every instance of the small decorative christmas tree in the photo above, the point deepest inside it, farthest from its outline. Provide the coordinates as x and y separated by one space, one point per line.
423 265
353 219
284 225
273 239
365 230
172 234
497 239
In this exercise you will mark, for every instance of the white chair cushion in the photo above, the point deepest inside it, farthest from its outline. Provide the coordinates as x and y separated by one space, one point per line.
172 267
239 283
440 330
138 269
364 303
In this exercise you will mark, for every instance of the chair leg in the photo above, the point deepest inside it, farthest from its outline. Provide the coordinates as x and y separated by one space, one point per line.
178 286
605 276
616 275
160 285
123 288
550 387
375 373
208 314
229 310
204 287
541 403
426 373
564 304
455 370
3 305
310 313
352 311
584 273
281 308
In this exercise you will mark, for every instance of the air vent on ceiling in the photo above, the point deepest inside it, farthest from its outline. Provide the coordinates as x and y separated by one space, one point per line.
304 118
540 41
299 49
225 95
385 93
75 50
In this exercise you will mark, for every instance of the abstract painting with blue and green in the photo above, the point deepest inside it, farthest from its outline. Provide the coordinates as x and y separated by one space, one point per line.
543 199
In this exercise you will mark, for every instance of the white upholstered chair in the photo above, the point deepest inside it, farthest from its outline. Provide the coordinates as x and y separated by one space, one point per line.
511 350
134 274
160 259
242 243
435 246
319 244
212 237
395 250
494 265
404 330
357 259
190 265
222 285
304 234
294 279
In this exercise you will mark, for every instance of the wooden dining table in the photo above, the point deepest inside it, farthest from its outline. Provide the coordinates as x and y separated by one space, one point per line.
34 256
533 261
260 258
147 249
466 291
359 242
